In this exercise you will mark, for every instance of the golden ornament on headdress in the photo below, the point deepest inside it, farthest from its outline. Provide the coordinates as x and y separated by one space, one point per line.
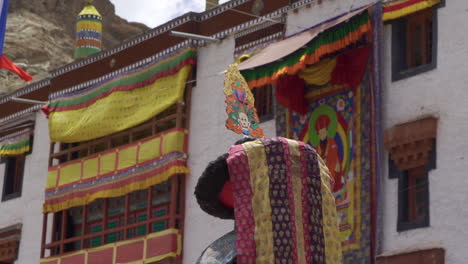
234 79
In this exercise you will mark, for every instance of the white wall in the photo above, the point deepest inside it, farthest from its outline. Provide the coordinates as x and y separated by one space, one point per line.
208 139
305 18
27 209
440 92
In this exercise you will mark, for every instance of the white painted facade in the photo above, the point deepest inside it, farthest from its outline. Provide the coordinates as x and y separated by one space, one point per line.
27 209
440 92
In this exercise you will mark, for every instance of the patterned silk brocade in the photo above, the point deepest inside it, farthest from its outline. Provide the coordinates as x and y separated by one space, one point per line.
259 180
279 198
280 208
239 167
313 201
330 218
293 161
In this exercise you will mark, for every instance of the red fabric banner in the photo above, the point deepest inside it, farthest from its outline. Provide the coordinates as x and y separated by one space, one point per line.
5 63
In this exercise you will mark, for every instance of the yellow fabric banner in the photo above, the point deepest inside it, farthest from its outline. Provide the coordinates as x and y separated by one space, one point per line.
119 110
319 74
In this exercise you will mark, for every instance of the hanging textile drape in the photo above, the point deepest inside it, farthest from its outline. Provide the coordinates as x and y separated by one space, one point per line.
294 54
290 93
350 67
345 69
120 103
284 209
116 172
16 143
399 8
318 74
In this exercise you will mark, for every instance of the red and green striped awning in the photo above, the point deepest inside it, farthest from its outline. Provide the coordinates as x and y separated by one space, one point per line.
293 54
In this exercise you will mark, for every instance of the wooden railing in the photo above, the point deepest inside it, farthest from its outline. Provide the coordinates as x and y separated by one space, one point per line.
174 218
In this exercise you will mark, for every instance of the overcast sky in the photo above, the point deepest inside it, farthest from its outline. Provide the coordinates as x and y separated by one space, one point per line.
156 12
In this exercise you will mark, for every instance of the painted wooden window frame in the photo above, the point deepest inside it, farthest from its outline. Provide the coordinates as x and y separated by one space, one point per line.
62 242
401 63
408 191
13 177
18 177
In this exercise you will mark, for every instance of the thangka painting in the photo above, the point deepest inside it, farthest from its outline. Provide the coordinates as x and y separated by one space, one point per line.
240 105
338 125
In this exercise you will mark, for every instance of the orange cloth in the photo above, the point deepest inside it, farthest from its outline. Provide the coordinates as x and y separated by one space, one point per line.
329 152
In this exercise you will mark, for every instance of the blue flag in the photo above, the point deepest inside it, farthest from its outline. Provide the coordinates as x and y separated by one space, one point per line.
5 63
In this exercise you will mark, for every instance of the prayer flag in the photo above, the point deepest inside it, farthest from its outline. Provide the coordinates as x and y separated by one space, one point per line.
5 63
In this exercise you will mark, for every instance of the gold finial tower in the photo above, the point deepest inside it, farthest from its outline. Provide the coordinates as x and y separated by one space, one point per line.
88 31
211 4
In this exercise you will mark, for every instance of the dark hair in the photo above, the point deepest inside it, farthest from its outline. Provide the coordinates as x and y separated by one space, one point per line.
211 183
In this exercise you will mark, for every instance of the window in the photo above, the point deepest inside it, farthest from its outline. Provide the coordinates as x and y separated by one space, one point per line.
412 149
413 202
393 171
264 102
413 192
13 177
111 220
414 44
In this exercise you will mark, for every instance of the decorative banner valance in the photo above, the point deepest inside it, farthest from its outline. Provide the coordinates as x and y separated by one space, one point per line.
411 144
148 249
9 243
16 143
121 103
294 54
346 70
399 8
116 172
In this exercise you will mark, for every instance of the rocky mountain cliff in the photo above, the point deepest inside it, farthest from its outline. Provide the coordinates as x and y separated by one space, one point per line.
41 34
